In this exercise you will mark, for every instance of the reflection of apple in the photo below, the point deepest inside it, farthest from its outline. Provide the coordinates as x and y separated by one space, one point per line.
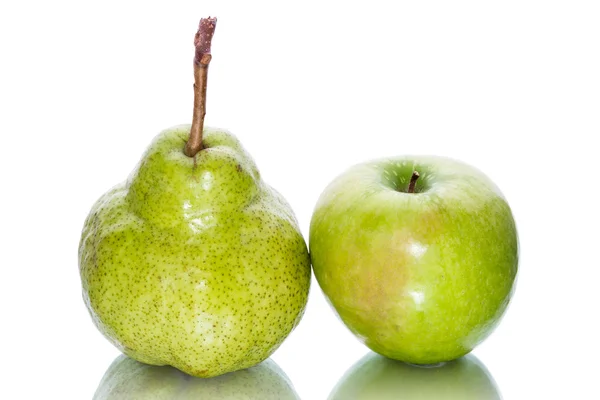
378 378
420 267
127 379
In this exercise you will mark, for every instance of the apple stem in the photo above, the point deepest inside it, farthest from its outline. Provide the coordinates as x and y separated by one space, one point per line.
413 182
202 42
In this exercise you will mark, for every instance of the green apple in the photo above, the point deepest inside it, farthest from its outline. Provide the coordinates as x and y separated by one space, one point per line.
377 378
419 275
194 262
127 379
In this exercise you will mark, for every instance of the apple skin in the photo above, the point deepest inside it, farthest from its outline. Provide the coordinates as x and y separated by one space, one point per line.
418 277
377 378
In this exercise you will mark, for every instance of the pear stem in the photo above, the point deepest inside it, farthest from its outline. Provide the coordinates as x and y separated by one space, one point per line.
202 42
413 182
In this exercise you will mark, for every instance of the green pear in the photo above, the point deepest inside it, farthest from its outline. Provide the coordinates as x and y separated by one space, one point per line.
194 262
378 378
417 255
127 379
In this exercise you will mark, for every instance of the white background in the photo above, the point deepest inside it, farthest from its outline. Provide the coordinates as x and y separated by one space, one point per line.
310 88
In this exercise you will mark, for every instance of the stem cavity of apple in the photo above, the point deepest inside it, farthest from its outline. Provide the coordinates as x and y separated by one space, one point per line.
202 42
413 182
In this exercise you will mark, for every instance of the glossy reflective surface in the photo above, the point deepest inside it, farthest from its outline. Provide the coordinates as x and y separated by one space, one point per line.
127 379
377 378
311 88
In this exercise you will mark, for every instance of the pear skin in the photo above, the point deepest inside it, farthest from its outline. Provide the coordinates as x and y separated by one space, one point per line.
194 262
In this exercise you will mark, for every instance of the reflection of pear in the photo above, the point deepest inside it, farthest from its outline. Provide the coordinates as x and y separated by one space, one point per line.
127 379
377 378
